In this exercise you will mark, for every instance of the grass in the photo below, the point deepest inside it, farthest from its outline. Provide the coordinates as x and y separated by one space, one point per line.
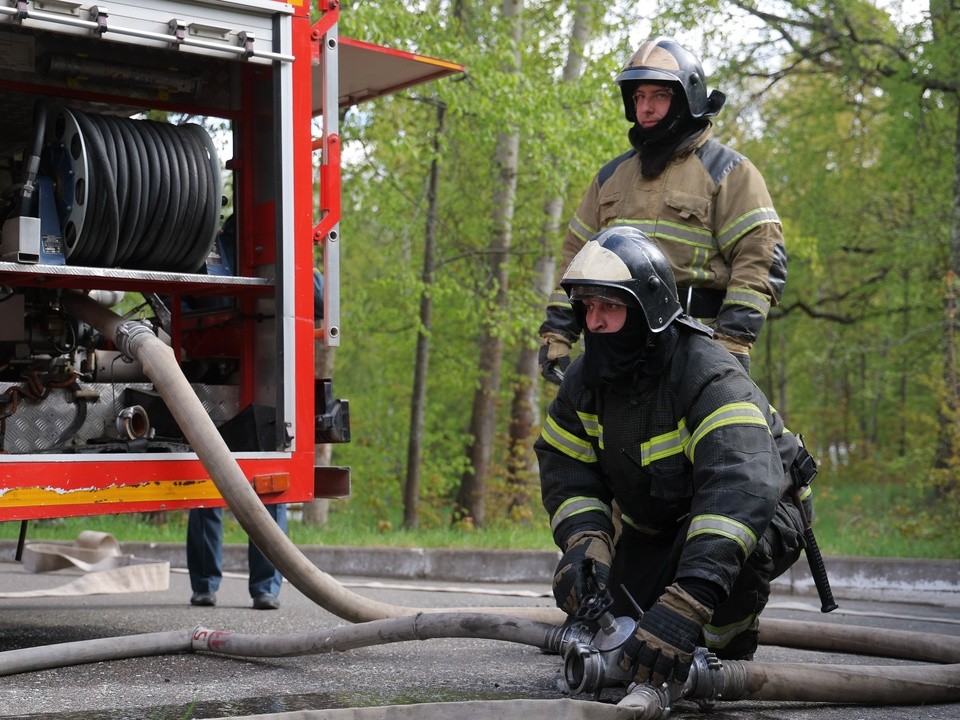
872 520
343 529
884 520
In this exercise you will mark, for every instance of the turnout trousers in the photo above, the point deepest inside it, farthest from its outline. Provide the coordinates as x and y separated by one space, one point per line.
645 564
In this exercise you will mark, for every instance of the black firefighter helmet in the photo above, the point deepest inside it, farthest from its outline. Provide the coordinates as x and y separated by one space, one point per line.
621 262
662 60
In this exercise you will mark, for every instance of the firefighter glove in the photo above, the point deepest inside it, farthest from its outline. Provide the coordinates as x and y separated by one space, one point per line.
662 647
554 357
583 569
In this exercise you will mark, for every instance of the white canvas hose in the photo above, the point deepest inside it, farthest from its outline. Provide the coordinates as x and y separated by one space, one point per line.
875 685
160 366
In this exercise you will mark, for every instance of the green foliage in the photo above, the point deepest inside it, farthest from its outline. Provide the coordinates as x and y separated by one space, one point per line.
852 128
883 517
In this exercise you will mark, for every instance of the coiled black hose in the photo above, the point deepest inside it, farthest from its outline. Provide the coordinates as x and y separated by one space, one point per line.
136 194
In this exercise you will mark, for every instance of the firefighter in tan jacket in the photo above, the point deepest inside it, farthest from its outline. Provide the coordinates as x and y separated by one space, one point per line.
706 206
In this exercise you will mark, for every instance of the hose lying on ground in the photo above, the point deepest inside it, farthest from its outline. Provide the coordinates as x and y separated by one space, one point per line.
419 626
884 685
875 685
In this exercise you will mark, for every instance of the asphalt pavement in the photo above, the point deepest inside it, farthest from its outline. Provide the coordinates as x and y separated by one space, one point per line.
452 676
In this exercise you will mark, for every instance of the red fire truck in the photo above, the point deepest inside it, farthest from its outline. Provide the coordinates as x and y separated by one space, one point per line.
180 158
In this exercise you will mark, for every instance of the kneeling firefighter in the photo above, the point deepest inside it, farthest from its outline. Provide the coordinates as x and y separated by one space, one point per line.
660 420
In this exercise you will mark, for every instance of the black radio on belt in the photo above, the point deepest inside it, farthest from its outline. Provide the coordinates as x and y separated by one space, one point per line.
701 302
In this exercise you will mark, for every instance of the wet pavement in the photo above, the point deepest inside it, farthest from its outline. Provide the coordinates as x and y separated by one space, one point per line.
201 685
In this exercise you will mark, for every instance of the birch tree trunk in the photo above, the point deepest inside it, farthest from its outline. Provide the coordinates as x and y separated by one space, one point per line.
469 505
524 415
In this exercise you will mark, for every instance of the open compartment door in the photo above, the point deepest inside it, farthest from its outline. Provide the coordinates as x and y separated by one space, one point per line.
370 71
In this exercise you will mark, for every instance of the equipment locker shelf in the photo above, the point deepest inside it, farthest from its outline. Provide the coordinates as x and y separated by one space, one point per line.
130 133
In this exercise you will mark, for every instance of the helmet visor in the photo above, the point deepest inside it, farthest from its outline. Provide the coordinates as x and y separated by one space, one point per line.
604 293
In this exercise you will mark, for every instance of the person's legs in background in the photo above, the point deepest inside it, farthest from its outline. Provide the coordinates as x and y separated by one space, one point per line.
265 579
204 549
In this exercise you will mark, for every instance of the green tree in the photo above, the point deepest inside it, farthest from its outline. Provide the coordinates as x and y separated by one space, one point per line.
852 114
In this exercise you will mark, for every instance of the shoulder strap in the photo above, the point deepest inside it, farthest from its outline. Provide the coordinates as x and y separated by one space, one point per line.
718 159
607 170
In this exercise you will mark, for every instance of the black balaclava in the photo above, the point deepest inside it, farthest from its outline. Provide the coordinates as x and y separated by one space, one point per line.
658 143
609 357
631 352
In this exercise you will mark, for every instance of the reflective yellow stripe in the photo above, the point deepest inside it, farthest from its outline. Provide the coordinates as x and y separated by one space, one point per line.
644 529
745 223
590 422
567 442
742 413
747 298
665 445
719 637
558 299
724 527
674 232
591 426
575 506
579 228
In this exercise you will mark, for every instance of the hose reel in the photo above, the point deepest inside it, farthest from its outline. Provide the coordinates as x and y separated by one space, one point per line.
136 194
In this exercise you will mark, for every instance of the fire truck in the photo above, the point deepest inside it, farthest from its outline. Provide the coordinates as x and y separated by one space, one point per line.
176 161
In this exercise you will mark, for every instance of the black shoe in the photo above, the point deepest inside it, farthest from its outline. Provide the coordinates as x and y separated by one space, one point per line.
266 601
207 599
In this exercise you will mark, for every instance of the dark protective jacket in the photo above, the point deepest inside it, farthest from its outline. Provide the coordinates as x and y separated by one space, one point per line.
710 213
697 442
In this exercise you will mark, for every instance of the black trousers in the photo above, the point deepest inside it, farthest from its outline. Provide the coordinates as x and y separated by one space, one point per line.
643 566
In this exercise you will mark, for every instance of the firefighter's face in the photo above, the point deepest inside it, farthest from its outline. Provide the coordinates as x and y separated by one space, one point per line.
652 103
603 316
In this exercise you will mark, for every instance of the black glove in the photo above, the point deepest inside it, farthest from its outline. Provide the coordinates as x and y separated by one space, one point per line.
554 358
583 569
662 647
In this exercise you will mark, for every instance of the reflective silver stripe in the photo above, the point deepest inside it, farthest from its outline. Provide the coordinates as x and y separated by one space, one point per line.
567 442
591 424
684 234
579 228
665 445
558 298
644 529
750 298
719 637
745 223
742 413
724 527
698 265
575 506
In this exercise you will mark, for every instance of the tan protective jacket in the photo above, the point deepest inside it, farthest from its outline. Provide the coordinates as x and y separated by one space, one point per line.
710 213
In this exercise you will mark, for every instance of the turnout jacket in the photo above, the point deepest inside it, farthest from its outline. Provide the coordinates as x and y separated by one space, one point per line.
710 213
697 444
